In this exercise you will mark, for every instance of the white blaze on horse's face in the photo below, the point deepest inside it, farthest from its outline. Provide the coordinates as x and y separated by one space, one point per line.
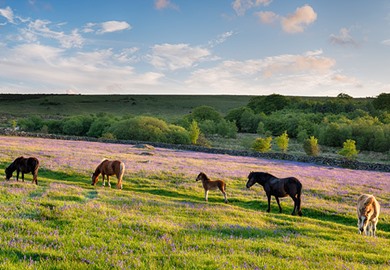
362 224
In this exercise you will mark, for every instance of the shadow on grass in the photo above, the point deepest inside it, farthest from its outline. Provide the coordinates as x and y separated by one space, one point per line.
15 255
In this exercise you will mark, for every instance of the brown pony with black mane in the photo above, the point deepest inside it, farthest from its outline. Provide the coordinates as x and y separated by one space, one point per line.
23 165
211 185
278 187
108 168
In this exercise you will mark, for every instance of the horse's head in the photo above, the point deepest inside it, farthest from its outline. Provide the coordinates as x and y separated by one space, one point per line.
8 173
251 180
94 178
363 222
201 176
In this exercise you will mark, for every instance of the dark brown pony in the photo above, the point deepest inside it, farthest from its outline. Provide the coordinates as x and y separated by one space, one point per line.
278 187
211 185
23 165
108 168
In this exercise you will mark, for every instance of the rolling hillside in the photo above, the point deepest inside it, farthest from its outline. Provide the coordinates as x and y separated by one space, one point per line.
161 221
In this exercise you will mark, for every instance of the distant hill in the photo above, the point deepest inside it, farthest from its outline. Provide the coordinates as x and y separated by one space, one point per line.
166 106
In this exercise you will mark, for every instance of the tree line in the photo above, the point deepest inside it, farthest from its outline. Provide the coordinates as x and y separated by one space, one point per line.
331 121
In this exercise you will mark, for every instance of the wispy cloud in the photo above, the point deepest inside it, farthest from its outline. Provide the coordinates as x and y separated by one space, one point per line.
386 42
42 28
241 6
8 14
221 39
177 56
344 38
163 4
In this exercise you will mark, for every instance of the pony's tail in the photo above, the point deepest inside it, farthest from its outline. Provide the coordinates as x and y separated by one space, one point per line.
299 199
121 173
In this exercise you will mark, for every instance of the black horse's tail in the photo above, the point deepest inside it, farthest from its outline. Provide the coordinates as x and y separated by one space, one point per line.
33 163
299 193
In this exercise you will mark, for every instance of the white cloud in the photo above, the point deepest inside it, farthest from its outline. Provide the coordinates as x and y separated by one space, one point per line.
8 14
106 27
177 56
113 26
241 6
267 17
386 42
50 69
296 22
343 38
163 4
292 74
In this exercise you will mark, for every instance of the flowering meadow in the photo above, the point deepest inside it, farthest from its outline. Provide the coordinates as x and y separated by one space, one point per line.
161 221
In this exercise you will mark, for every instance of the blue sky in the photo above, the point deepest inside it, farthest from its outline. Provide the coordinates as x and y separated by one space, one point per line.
239 47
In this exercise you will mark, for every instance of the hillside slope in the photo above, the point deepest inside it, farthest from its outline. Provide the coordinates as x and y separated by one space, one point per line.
160 220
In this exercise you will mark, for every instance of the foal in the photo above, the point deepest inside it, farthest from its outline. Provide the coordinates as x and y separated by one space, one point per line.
211 185
368 210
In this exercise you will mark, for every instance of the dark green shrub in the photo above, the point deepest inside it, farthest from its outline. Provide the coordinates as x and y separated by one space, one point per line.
31 123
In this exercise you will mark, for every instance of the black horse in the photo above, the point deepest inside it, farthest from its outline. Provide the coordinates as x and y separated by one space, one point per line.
23 165
278 187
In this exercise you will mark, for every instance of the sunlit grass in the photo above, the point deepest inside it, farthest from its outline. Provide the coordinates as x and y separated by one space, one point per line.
161 221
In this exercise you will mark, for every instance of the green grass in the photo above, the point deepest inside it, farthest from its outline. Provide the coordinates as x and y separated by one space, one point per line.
162 222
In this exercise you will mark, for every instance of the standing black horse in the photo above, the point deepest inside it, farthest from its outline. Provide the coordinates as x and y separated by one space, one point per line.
23 165
278 187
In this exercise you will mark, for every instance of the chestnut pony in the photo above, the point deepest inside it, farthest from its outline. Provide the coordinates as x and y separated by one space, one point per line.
108 168
278 187
23 165
368 210
211 185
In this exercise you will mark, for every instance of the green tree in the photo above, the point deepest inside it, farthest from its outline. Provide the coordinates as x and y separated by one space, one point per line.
382 102
262 145
349 149
194 132
311 147
282 141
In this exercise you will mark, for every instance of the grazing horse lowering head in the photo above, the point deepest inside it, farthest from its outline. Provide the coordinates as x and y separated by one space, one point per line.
368 210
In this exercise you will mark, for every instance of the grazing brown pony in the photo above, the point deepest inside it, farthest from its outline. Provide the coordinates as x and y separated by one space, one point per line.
278 187
211 185
23 165
108 168
368 210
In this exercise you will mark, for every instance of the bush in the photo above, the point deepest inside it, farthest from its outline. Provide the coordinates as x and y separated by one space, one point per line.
311 147
227 129
262 145
31 124
349 150
146 128
77 125
282 142
203 113
194 132
99 126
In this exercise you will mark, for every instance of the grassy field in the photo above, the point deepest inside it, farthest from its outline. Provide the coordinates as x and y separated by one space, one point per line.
165 106
161 221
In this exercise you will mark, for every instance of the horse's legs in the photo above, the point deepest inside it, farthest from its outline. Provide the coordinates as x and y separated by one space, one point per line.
23 176
295 205
104 183
119 184
206 195
269 202
17 175
224 195
108 181
277 200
